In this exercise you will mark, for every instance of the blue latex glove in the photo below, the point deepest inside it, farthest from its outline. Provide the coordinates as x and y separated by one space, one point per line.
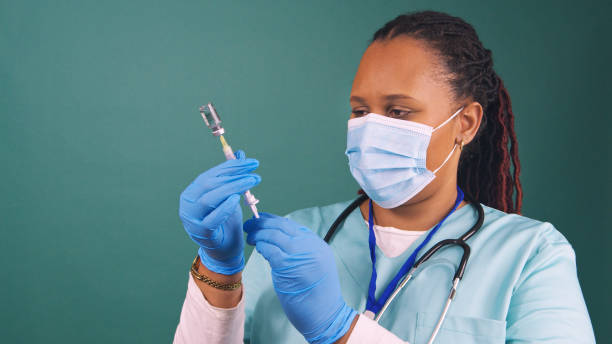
210 211
304 275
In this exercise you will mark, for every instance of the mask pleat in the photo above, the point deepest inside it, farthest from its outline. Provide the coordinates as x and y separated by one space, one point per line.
387 157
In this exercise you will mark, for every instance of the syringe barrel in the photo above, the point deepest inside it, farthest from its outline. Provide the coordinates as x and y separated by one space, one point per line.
229 154
249 199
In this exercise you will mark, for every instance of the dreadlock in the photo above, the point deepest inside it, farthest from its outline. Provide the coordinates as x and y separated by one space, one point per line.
485 171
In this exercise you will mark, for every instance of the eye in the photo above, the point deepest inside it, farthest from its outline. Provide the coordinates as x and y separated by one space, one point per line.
397 113
359 113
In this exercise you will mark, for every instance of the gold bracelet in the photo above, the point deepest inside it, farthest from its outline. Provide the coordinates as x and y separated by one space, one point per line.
205 279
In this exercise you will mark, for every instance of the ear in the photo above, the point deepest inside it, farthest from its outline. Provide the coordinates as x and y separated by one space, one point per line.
469 119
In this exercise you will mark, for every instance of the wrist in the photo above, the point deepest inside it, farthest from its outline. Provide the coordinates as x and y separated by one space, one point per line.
222 298
349 323
228 266
344 339
221 278
341 324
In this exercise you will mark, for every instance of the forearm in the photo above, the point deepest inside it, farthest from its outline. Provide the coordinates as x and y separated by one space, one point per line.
211 316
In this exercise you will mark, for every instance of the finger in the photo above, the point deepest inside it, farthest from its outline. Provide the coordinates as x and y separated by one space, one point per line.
235 166
274 255
263 214
203 236
222 212
228 167
256 222
195 190
288 226
239 186
211 199
239 154
208 238
271 236
213 220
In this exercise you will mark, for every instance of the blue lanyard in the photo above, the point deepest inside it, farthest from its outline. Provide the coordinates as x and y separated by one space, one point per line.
372 304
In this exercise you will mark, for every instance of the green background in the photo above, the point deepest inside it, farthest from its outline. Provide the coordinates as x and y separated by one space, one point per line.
100 133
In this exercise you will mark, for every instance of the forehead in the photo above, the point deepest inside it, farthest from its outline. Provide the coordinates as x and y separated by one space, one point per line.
401 64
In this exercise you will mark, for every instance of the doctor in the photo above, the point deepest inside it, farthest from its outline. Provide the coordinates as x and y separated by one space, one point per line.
431 121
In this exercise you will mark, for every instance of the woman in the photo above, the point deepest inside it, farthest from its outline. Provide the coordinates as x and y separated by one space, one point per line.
431 129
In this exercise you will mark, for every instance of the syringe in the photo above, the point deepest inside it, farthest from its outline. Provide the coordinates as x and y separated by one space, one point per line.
212 120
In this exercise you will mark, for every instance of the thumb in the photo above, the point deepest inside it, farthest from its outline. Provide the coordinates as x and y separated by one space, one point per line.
264 215
240 154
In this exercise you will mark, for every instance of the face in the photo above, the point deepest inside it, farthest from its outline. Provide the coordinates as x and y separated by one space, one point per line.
402 78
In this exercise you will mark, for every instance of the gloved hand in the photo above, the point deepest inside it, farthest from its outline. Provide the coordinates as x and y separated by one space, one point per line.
304 276
210 211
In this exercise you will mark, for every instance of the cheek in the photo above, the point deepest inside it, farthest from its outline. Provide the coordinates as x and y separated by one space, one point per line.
433 153
440 145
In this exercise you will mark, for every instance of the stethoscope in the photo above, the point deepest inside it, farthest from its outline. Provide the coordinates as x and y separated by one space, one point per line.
461 242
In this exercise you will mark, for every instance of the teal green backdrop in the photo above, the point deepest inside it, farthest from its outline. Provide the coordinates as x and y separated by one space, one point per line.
99 134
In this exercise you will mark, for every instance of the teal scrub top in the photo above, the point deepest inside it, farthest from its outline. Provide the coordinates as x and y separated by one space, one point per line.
520 284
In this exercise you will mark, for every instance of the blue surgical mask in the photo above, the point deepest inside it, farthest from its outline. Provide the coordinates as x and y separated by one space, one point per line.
387 157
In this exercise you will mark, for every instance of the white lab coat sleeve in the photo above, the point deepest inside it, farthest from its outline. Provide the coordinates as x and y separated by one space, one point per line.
368 331
202 323
547 305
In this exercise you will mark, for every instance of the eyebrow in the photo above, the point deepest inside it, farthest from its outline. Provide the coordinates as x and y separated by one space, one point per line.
387 97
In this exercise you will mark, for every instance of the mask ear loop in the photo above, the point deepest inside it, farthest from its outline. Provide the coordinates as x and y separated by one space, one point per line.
447 158
454 146
448 119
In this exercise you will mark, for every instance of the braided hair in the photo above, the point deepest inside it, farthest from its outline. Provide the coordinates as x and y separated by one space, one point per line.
485 171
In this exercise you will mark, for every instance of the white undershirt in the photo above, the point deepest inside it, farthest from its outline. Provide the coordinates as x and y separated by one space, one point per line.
394 241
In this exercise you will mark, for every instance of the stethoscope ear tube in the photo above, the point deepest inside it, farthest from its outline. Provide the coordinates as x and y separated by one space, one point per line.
464 259
435 248
345 213
480 220
448 242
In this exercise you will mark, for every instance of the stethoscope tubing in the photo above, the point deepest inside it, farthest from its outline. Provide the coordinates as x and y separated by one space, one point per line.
461 242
